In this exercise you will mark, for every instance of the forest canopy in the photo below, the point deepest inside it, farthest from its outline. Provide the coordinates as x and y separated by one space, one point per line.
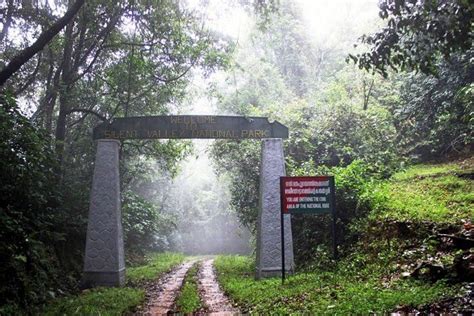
418 35
362 102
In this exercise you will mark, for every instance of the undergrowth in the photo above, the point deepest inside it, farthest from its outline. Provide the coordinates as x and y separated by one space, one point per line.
436 193
375 276
99 301
350 287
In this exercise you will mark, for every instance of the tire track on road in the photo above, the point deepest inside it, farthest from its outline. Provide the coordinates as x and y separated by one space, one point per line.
161 296
211 295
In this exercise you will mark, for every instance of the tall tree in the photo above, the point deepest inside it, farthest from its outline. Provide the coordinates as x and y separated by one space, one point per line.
417 35
115 59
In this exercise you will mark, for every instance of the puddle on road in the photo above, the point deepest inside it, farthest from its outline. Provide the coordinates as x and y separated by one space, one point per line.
212 296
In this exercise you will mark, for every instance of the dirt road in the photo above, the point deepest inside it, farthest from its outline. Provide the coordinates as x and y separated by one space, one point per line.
162 294
211 294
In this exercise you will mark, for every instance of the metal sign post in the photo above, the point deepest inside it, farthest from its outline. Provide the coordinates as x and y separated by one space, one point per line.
307 195
282 249
334 218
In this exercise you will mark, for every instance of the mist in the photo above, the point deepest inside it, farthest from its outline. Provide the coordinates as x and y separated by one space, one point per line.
199 200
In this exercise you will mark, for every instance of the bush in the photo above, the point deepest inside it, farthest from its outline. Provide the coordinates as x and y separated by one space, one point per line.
145 229
434 117
312 233
29 199
337 134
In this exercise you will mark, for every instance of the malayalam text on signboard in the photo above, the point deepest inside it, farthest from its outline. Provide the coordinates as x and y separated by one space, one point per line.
307 194
312 195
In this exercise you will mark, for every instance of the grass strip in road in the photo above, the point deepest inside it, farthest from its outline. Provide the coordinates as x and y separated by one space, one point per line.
340 291
157 264
188 300
99 301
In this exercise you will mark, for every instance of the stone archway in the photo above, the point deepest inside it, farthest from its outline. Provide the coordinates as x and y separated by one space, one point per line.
104 263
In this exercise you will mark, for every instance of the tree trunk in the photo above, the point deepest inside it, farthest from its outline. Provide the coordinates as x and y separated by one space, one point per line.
52 95
64 92
367 92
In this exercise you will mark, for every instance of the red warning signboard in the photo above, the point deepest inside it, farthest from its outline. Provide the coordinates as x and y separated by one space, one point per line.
314 195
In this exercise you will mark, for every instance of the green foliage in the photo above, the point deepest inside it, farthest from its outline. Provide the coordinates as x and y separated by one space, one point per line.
337 134
288 49
188 300
263 8
241 161
417 34
312 234
333 135
329 128
345 290
30 219
157 263
99 301
327 122
360 128
145 228
425 193
434 115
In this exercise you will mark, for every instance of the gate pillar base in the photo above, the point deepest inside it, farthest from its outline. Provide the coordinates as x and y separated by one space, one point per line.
109 279
268 224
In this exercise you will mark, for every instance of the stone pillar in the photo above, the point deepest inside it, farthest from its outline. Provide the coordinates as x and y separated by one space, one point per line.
268 224
104 263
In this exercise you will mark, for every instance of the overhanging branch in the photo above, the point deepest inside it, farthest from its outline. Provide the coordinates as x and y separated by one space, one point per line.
26 54
100 116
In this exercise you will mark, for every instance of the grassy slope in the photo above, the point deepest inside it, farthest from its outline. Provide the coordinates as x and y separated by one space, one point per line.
365 282
427 193
115 301
354 290
188 300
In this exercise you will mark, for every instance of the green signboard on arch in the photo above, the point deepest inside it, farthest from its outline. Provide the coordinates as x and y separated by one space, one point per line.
190 127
